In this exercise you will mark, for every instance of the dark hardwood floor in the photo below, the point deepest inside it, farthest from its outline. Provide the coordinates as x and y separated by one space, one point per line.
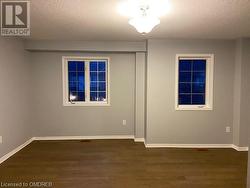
124 164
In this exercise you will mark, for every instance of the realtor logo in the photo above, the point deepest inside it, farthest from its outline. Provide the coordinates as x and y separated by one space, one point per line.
15 18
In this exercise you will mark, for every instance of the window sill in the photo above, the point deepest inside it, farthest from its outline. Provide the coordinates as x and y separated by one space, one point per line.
192 108
86 104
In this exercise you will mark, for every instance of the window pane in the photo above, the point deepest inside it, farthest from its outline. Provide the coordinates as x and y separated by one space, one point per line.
185 88
101 76
102 86
185 65
98 81
93 76
198 88
102 96
199 77
76 80
198 99
72 66
72 77
93 96
81 79
184 99
93 86
185 77
81 86
101 66
199 65
80 67
81 96
73 86
192 82
93 66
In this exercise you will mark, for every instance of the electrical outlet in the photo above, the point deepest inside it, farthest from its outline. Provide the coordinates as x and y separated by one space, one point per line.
1 139
228 129
124 122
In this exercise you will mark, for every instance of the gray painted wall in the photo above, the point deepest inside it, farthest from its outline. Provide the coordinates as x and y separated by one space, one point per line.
51 118
245 93
140 95
164 124
85 46
15 95
241 93
237 93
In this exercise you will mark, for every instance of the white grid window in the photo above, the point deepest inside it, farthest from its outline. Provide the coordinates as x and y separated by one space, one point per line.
98 84
194 82
86 81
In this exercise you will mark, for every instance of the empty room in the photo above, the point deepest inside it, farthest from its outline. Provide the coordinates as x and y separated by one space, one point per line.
124 93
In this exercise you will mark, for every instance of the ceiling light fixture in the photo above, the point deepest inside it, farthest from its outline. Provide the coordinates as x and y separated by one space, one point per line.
144 14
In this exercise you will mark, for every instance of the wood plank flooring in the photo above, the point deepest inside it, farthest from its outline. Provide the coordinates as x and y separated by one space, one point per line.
124 164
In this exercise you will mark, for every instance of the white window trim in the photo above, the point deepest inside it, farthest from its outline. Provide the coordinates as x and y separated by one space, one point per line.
209 81
87 101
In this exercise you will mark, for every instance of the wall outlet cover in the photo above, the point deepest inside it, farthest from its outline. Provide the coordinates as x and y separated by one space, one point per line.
124 122
228 129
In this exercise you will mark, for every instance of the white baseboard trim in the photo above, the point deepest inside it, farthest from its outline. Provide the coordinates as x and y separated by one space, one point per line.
84 137
188 145
8 155
139 140
238 148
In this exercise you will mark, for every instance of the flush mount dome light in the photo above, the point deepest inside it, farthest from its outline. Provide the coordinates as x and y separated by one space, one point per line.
144 24
144 14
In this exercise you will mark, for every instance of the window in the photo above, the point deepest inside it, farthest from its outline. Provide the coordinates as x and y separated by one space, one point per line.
194 82
85 81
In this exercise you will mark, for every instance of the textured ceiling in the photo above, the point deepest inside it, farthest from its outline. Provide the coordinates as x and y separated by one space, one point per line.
99 20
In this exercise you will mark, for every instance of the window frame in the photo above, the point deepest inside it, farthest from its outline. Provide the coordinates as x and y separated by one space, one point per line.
87 101
209 81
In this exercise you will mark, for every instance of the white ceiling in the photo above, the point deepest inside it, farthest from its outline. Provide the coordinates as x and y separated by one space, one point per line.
99 20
